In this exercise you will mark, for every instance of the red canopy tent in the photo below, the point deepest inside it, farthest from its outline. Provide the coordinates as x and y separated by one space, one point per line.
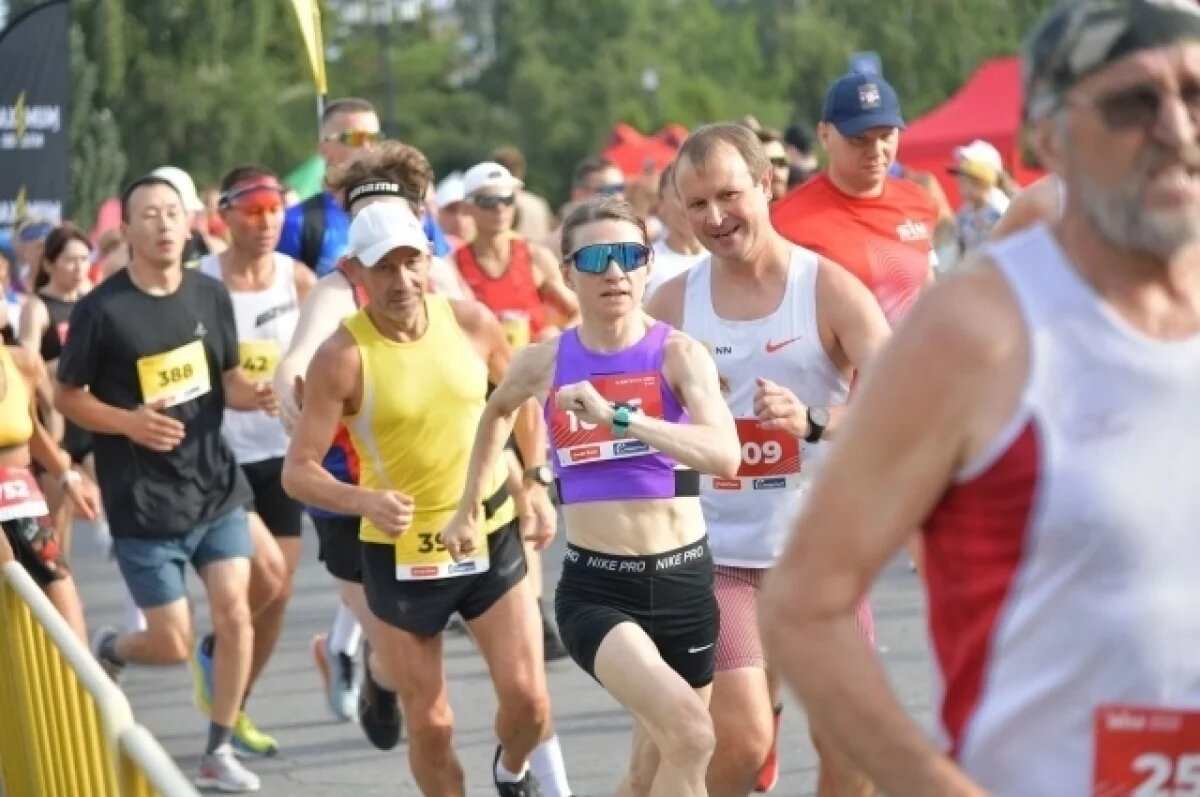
635 153
987 107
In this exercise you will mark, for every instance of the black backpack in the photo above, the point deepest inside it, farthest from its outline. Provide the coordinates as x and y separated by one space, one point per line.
312 230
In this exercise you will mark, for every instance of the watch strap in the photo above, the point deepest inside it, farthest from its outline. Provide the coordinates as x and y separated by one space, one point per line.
620 421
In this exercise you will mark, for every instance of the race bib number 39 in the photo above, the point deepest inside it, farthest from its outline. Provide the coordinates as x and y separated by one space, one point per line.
1146 752
176 376
577 441
770 459
421 556
259 358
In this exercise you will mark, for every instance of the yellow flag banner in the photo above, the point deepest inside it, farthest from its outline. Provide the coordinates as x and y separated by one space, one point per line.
308 12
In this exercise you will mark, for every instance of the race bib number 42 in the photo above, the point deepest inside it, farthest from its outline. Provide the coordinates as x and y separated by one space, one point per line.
176 376
1146 752
577 441
259 358
770 459
421 556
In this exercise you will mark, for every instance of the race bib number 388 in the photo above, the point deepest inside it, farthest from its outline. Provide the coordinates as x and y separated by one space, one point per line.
175 376
1146 752
770 459
577 441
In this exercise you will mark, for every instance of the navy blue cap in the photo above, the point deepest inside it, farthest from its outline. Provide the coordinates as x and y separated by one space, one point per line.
858 102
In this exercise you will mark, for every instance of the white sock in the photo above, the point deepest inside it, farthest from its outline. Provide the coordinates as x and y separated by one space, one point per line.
134 620
504 776
546 761
345 632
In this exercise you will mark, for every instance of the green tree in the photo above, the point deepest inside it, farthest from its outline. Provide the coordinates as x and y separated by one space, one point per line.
97 160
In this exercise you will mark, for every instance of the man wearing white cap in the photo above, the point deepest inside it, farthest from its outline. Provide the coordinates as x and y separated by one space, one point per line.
979 170
201 243
416 443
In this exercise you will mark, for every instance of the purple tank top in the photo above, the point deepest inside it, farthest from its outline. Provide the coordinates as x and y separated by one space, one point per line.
591 463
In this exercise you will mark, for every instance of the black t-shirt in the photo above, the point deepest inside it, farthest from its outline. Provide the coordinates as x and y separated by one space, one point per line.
129 347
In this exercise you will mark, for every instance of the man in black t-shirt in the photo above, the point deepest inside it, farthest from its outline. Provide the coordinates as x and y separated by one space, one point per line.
149 366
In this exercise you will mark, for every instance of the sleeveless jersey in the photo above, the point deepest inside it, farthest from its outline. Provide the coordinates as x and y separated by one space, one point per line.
784 347
1061 563
55 337
415 429
16 425
266 321
593 464
513 296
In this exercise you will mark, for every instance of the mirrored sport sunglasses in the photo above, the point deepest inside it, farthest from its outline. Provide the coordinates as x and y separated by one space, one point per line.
611 189
492 201
356 139
594 258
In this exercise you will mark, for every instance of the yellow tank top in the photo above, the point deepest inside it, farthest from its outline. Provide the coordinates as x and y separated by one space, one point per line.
16 425
415 429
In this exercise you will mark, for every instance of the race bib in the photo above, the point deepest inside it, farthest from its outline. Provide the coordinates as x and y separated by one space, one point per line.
20 496
576 441
259 358
770 459
175 376
421 556
1146 752
516 328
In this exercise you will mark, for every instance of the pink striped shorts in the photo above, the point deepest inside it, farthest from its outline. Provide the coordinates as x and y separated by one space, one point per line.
738 642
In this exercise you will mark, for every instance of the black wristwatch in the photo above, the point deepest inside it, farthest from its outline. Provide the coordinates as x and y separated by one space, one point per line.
540 474
818 419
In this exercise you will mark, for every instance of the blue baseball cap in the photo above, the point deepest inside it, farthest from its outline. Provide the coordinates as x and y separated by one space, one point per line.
858 102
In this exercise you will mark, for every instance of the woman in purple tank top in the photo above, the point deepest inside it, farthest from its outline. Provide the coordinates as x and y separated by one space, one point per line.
635 411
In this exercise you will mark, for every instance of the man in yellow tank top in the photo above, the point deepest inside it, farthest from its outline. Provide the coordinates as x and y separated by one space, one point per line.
408 376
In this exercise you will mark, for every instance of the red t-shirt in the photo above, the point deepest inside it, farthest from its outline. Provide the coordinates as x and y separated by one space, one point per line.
885 241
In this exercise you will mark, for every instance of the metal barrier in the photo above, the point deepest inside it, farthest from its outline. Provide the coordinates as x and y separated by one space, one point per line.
65 727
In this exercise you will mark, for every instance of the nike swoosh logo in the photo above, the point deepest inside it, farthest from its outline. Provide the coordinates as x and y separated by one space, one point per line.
774 347
701 650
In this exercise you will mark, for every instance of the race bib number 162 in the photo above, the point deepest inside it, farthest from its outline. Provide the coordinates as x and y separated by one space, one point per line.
1146 752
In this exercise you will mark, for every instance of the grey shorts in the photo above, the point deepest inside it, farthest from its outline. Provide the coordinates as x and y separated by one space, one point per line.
153 569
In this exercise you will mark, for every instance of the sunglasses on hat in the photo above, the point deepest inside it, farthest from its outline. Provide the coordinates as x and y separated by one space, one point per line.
594 258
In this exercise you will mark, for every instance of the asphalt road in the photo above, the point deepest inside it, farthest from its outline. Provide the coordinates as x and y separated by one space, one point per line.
319 756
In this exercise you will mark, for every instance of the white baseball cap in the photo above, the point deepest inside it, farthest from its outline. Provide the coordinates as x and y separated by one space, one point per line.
980 151
379 228
450 190
488 174
182 182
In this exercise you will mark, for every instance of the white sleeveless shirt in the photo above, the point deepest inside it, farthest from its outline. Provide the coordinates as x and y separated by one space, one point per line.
266 321
1062 563
784 347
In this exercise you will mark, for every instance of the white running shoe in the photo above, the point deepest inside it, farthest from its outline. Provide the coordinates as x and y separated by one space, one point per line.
221 770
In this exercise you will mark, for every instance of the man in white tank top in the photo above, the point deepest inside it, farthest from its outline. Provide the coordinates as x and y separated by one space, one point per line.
787 330
1037 415
266 290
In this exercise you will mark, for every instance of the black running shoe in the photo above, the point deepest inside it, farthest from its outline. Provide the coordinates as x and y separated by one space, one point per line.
525 787
378 712
552 645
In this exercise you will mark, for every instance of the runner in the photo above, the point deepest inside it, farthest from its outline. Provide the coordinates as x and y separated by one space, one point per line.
44 326
265 288
416 443
788 329
679 249
1036 416
635 602
27 538
149 366
1041 202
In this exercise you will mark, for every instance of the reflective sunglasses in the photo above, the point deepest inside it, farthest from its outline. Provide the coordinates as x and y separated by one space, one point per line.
779 163
594 258
611 189
491 202
356 139
1139 106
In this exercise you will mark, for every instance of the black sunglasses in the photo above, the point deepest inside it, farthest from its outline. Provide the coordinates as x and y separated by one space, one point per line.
1139 106
490 202
779 163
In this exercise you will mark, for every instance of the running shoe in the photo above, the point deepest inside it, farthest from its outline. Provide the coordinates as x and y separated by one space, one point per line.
552 645
247 738
768 776
221 771
337 676
525 787
201 666
100 639
378 710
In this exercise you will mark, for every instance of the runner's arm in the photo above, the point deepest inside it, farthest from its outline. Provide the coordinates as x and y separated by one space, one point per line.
78 368
710 442
42 446
551 287
305 280
34 320
903 441
332 379
330 301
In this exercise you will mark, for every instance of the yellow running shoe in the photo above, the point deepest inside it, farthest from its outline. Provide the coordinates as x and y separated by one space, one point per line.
248 739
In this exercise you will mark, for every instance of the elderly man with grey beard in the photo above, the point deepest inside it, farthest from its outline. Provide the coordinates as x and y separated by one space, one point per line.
1036 417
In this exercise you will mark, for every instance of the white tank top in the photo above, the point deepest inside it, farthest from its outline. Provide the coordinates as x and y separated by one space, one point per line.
1062 563
266 321
784 347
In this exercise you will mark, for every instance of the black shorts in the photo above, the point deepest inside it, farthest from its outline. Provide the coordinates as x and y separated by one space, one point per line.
36 549
669 595
283 514
339 548
424 607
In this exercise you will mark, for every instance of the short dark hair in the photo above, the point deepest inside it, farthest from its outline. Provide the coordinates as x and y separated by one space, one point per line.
603 207
248 171
145 181
345 105
512 159
392 161
589 166
800 137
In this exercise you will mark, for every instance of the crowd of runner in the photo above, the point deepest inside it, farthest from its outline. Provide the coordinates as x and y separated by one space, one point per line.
740 390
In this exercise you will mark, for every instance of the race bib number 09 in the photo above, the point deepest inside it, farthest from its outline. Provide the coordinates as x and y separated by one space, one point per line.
577 441
770 459
1146 752
259 358
421 556
176 376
